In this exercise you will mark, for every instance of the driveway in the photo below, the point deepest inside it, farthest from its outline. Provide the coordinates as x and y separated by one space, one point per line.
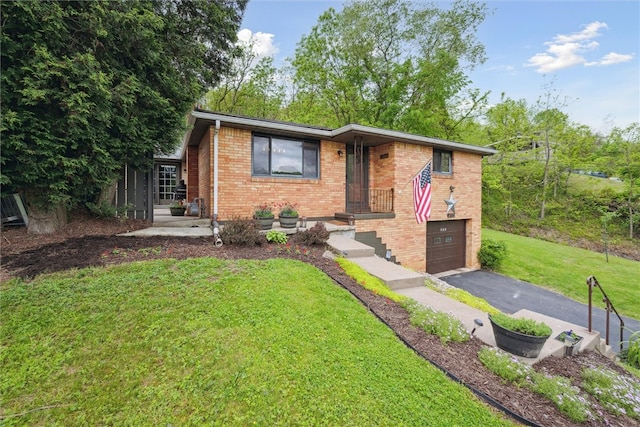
510 295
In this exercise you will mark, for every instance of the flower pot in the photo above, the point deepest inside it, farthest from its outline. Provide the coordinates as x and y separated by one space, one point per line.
288 221
177 211
517 343
265 223
571 345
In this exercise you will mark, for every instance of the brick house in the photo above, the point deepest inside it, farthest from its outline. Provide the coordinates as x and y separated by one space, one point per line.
233 163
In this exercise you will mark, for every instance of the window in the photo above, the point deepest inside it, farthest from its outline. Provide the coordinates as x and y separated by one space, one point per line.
442 161
273 156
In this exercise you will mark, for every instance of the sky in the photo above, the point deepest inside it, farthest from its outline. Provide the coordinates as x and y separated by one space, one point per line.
589 51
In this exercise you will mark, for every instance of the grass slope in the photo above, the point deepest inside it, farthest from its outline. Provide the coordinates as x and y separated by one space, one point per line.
208 341
565 269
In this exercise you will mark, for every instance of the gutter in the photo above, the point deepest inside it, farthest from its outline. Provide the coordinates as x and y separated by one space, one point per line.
215 170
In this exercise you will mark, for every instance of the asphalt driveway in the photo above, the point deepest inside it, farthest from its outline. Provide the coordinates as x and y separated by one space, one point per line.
510 295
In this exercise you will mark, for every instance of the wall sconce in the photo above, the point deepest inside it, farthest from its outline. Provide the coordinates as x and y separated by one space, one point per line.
340 153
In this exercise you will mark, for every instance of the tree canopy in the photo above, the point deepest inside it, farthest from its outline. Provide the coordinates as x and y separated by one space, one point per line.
89 86
390 63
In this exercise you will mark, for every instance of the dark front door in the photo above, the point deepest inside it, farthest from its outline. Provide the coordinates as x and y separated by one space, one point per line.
446 244
357 179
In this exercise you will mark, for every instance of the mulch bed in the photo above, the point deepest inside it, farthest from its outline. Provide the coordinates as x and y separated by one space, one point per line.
89 242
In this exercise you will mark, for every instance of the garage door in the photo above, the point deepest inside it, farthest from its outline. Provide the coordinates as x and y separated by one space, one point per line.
446 245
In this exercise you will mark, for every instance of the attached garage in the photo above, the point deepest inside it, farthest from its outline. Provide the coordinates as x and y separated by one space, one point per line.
446 245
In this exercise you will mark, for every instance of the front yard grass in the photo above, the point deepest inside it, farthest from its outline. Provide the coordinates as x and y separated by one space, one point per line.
215 342
565 269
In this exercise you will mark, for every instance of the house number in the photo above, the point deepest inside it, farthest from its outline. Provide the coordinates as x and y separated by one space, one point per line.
443 229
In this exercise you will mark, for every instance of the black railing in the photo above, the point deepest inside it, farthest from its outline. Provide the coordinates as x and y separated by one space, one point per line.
369 200
381 200
592 282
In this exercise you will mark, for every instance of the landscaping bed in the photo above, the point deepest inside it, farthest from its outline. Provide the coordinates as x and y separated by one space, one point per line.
92 242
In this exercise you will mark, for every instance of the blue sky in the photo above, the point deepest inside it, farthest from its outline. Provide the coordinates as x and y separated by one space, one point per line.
588 50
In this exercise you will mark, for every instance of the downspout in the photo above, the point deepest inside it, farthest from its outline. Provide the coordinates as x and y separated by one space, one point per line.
215 170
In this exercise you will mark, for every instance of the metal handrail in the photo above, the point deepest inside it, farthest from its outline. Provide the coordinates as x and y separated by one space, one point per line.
591 282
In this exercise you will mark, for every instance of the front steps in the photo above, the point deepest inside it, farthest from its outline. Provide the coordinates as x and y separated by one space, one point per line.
393 275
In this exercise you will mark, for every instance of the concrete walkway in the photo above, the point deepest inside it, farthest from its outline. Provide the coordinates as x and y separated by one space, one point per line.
412 284
510 295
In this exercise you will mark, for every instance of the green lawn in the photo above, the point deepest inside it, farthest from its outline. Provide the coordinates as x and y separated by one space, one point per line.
212 342
565 269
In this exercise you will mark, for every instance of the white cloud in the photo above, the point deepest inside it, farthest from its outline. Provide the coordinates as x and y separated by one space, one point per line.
567 50
611 59
261 43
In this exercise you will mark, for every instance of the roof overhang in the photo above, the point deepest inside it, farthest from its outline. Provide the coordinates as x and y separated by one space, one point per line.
200 121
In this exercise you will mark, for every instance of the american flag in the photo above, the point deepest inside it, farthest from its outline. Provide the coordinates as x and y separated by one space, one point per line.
422 194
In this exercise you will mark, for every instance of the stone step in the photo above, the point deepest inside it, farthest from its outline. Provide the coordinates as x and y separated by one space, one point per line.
349 248
393 275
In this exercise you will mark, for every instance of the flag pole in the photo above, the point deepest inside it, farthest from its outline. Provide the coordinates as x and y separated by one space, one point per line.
419 171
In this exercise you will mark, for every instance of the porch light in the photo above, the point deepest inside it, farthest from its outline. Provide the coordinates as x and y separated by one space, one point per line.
340 153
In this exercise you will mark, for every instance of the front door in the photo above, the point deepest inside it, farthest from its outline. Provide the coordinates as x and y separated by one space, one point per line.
166 178
357 179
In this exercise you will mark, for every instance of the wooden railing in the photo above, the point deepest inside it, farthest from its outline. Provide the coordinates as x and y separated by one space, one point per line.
593 282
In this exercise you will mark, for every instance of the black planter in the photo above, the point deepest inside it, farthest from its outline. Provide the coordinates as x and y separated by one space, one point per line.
517 343
288 221
177 211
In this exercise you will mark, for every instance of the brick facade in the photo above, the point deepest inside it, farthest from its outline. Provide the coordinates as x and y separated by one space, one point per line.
391 166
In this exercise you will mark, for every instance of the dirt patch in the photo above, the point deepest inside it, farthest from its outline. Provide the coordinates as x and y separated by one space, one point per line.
91 242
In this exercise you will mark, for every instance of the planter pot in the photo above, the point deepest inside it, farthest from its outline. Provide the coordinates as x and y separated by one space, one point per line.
177 211
517 343
265 223
571 346
288 221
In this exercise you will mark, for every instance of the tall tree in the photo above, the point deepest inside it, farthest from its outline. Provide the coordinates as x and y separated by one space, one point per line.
250 87
391 63
89 86
626 160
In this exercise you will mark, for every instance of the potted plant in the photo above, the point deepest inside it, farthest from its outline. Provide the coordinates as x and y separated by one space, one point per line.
263 213
288 215
520 336
177 209
571 342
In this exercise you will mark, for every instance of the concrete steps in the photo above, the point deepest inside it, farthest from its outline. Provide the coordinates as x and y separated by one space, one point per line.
393 275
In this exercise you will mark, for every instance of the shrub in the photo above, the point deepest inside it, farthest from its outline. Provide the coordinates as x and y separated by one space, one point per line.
631 354
107 210
316 235
242 232
275 236
559 390
491 254
443 325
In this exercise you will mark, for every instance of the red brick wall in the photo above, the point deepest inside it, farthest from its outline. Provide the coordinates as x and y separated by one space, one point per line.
192 175
403 235
239 192
205 171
